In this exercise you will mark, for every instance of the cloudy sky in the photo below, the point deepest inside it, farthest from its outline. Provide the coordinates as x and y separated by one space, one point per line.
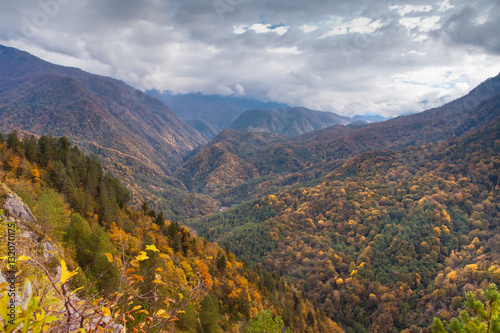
350 57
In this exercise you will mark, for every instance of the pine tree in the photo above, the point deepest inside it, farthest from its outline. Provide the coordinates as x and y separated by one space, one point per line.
265 323
485 317
160 220
244 303
209 315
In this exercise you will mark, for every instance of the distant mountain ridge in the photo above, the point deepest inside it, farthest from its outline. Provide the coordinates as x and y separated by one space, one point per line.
371 118
211 114
313 154
288 121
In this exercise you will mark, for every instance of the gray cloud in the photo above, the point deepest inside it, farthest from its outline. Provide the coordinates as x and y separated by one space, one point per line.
474 27
349 57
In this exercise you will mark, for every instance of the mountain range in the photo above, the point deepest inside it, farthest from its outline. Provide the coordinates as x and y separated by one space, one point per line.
309 156
381 225
210 114
136 137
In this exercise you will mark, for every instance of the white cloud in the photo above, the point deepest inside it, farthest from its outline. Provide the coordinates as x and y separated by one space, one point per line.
341 26
444 6
285 50
406 9
306 28
371 57
239 89
260 29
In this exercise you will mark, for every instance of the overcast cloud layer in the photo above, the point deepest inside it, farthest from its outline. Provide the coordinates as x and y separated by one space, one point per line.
349 57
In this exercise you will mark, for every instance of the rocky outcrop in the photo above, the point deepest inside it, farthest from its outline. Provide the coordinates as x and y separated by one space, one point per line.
21 215
18 208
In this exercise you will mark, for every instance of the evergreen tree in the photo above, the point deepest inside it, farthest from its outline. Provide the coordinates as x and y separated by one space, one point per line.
209 315
13 141
160 220
485 317
265 323
244 303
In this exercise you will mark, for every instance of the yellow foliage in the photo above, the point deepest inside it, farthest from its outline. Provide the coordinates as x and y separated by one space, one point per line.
65 274
35 174
445 230
205 275
14 162
471 267
446 216
452 276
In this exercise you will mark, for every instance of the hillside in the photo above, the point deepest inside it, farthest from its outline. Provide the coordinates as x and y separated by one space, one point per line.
222 163
388 240
289 121
210 114
134 135
95 262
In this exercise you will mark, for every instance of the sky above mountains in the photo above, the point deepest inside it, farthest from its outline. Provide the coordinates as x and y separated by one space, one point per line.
350 57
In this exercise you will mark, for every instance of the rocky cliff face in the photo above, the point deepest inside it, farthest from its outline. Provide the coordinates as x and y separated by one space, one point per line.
16 207
27 236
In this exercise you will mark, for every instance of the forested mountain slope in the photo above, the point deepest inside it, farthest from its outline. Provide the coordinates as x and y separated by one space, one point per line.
289 121
313 155
389 239
127 267
134 135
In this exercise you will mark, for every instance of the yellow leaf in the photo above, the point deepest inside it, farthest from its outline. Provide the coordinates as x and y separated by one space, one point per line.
109 256
65 275
162 313
3 258
181 296
106 311
142 256
210 258
152 248
74 291
23 258
159 269
137 307
180 311
50 251
158 282
97 301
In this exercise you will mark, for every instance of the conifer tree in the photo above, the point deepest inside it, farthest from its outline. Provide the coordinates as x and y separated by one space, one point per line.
209 315
484 317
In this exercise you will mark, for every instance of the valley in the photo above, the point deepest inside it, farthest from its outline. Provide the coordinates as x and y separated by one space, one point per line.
333 223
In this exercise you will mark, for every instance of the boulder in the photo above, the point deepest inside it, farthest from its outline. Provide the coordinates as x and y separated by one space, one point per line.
19 209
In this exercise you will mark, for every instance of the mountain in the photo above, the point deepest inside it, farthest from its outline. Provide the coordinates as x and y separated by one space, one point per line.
370 118
135 136
314 154
225 158
92 257
288 121
210 114
395 235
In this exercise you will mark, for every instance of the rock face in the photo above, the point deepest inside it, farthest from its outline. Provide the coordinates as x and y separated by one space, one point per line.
21 214
19 209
